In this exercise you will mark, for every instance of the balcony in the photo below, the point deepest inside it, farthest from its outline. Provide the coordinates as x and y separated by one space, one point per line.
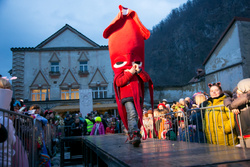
83 73
54 74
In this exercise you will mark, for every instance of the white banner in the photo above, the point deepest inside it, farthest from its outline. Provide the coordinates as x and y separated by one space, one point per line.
86 101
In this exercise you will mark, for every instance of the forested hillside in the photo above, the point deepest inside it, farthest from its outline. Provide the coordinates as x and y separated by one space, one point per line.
179 44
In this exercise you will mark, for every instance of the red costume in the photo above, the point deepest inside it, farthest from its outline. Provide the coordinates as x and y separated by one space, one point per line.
126 36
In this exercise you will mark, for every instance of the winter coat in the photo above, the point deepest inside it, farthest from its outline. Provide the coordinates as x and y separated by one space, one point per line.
217 118
6 147
77 129
101 129
242 103
196 119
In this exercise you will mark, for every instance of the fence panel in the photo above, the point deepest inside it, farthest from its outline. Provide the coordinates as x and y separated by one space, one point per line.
18 149
214 125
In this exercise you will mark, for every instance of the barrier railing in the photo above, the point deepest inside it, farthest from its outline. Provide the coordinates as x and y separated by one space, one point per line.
29 141
214 125
18 149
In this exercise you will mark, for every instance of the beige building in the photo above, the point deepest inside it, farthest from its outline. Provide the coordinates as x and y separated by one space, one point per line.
52 73
228 62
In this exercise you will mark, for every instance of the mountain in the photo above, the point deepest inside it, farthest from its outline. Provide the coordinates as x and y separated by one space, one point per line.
179 44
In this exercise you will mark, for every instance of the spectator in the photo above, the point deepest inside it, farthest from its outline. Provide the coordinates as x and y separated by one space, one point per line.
37 113
77 128
199 98
240 107
44 155
188 102
220 126
6 147
164 101
104 121
196 118
110 129
88 124
68 122
52 117
98 128
186 133
46 115
169 134
162 109
80 117
168 107
118 125
183 104
3 133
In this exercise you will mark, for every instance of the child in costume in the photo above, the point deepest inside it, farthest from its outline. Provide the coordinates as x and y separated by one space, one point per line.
98 128
126 36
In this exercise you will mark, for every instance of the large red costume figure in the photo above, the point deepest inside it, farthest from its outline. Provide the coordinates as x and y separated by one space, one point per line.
126 36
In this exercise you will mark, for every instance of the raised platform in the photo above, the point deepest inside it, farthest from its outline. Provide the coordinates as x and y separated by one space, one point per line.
113 151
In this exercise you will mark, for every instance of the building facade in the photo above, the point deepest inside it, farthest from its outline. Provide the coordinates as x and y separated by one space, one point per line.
228 62
53 72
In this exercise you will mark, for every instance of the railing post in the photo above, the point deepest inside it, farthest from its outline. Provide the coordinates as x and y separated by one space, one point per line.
33 144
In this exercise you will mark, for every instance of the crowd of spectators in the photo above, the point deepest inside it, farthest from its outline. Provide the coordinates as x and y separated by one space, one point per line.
77 125
224 121
220 117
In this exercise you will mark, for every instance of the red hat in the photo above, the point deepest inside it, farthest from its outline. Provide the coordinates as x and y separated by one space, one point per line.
46 111
161 104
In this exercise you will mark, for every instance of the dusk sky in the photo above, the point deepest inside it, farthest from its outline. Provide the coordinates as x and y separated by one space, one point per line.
26 23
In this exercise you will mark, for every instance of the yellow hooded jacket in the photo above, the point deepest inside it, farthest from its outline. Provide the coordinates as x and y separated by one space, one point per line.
218 122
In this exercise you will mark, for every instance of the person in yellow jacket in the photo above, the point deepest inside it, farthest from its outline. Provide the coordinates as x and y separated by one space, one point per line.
219 122
88 124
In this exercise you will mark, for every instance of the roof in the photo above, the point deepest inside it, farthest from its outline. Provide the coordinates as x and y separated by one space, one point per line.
103 47
77 107
224 34
64 28
61 31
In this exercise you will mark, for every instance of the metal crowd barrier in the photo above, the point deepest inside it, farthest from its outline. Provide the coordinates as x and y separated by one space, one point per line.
24 135
51 137
198 127
19 148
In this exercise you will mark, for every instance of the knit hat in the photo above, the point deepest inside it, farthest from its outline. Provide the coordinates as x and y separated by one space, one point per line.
244 85
161 104
164 100
181 99
98 119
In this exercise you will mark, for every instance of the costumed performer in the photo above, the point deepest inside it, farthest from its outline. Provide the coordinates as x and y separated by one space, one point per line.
126 36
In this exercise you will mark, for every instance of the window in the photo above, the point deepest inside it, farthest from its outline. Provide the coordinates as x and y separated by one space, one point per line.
54 67
83 66
99 92
70 94
39 94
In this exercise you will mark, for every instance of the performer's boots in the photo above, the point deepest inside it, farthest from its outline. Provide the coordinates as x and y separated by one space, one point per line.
136 139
